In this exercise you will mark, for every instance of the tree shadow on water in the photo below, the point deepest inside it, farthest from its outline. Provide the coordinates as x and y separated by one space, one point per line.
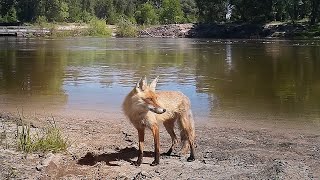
125 154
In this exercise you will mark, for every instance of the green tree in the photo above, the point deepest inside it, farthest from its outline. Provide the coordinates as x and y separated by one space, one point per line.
103 8
56 10
8 10
11 15
75 11
279 9
190 10
165 11
171 12
212 10
252 10
26 10
88 6
146 14
315 15
125 7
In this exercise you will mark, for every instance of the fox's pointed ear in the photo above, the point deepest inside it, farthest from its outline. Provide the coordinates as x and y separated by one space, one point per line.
154 84
138 85
141 84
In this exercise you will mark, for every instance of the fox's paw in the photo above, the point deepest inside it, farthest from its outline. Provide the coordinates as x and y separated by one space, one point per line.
154 163
167 153
137 163
191 158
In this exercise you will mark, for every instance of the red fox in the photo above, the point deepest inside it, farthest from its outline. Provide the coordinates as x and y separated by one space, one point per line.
145 107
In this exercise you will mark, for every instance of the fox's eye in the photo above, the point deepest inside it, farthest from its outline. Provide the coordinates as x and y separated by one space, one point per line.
149 99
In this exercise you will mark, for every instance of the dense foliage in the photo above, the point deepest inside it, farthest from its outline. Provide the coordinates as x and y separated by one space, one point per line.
258 11
159 11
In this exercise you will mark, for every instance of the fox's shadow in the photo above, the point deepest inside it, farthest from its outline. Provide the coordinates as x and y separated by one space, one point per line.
125 154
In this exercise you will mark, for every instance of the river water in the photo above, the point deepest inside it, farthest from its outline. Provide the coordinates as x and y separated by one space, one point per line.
228 81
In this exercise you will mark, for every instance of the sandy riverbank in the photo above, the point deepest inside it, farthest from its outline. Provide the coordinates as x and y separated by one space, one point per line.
104 147
276 30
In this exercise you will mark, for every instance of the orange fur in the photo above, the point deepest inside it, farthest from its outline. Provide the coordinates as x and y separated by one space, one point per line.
145 107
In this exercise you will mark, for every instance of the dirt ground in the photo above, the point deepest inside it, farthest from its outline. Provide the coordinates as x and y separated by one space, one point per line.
105 147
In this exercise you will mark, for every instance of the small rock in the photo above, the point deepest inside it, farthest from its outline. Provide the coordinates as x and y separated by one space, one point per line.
56 159
52 168
141 175
122 176
74 157
39 167
48 159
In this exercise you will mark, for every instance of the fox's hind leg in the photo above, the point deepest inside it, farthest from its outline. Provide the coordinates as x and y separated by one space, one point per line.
169 125
187 133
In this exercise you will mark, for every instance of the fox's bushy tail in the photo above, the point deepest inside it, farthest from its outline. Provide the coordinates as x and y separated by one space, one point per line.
187 130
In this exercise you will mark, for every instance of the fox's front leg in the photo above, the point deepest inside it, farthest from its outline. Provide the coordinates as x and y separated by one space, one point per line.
155 133
141 145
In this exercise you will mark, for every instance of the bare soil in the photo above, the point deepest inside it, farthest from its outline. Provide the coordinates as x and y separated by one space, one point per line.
105 147
282 30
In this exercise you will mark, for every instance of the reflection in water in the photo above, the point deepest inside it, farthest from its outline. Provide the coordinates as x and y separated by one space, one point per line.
229 56
29 74
275 78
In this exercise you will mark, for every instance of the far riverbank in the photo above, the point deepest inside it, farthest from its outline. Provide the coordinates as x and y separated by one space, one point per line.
277 30
234 31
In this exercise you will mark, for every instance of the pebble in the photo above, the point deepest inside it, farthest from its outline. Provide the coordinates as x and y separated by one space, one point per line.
50 157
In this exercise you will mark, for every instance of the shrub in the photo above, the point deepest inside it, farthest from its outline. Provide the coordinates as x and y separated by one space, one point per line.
41 21
98 27
126 28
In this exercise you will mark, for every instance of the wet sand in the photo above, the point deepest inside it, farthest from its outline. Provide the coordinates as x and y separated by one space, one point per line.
104 146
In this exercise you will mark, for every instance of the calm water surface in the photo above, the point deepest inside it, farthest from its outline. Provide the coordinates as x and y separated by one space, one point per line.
271 81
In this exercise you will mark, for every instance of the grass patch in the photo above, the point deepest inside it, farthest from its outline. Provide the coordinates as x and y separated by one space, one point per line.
24 138
45 140
96 27
69 33
51 141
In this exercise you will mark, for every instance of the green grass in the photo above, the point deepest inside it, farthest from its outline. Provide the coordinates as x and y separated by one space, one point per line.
47 139
24 138
96 27
51 141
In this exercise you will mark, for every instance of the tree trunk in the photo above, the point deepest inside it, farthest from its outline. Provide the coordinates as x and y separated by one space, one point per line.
314 13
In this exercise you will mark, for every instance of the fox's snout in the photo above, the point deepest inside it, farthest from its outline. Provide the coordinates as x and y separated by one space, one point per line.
157 110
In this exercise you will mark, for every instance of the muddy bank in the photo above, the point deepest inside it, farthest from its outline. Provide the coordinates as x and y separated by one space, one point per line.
167 31
238 31
104 148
